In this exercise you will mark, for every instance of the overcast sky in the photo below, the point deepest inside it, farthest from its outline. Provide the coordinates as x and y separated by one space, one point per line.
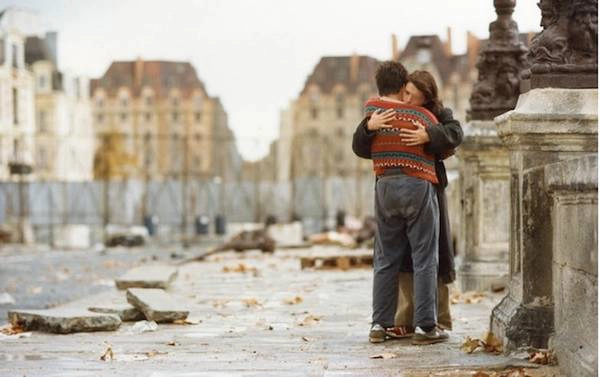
254 55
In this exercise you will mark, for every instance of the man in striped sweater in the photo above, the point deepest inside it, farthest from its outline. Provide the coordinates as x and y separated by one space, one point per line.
406 210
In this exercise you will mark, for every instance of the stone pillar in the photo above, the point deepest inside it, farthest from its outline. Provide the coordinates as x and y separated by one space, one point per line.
484 182
552 137
484 171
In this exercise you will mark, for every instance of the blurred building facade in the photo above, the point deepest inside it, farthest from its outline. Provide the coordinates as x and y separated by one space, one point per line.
155 120
17 114
64 139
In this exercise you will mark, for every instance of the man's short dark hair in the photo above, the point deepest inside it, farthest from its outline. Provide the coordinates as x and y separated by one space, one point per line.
391 76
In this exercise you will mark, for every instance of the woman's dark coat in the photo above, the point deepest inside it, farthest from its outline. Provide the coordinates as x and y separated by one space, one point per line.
443 137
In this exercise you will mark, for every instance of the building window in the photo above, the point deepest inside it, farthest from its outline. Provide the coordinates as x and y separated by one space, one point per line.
16 150
314 112
15 95
148 100
100 102
198 116
42 121
123 117
175 116
198 102
100 118
175 101
340 112
148 117
2 52
124 102
42 162
15 56
339 102
149 155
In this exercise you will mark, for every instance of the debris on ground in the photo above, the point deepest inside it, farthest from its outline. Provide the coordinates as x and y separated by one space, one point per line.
63 320
293 301
126 236
144 326
156 304
543 357
251 303
151 276
6 299
470 297
384 356
251 240
310 320
240 267
332 238
489 344
342 262
108 354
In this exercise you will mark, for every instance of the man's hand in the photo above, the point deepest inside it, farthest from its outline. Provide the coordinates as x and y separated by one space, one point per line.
380 120
415 137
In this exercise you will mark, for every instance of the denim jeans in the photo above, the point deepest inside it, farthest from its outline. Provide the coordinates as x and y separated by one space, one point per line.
407 215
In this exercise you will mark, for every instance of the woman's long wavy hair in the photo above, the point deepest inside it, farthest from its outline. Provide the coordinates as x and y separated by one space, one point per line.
425 82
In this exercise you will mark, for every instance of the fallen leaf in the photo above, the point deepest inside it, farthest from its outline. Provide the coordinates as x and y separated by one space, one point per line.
11 330
306 339
384 356
186 322
251 303
294 300
154 353
172 343
241 267
543 357
491 343
470 345
310 320
108 354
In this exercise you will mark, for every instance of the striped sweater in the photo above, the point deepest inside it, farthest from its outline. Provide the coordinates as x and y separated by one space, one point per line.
387 148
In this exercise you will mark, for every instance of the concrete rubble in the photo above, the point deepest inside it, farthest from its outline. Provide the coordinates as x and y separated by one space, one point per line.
156 304
63 321
152 276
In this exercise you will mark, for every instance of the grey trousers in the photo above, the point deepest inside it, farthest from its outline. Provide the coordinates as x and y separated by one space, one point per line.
407 215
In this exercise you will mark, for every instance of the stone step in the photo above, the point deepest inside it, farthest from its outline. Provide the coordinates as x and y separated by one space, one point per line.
342 262
63 321
156 304
154 276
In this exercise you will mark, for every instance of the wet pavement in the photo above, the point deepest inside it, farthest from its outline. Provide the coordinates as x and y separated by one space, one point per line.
256 314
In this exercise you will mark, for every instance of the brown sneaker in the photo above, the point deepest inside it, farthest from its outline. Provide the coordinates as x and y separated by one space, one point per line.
377 334
436 335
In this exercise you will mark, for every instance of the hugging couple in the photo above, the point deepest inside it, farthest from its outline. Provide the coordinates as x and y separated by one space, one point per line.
408 133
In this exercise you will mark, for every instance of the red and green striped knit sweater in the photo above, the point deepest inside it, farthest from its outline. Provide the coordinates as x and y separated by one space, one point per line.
387 148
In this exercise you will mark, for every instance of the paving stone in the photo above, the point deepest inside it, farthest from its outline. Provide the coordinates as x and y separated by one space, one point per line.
63 321
154 276
156 304
125 311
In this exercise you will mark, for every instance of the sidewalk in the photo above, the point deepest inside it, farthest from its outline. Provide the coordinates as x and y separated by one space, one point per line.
271 320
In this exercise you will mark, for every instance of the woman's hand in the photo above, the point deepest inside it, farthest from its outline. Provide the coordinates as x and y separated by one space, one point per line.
380 120
415 137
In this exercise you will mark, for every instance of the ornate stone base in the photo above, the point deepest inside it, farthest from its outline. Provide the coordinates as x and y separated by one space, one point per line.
522 325
582 80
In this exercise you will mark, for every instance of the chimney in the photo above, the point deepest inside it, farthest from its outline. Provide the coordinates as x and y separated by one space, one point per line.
473 45
138 73
51 42
354 62
395 52
448 43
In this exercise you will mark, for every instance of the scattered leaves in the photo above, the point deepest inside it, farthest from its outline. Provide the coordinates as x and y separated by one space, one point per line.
384 356
293 301
241 267
108 354
471 297
543 357
489 344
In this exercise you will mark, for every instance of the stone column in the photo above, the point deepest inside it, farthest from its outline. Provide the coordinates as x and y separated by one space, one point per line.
484 168
552 136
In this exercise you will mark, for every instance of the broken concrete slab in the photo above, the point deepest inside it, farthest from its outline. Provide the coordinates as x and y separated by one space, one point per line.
156 304
154 276
63 321
125 311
